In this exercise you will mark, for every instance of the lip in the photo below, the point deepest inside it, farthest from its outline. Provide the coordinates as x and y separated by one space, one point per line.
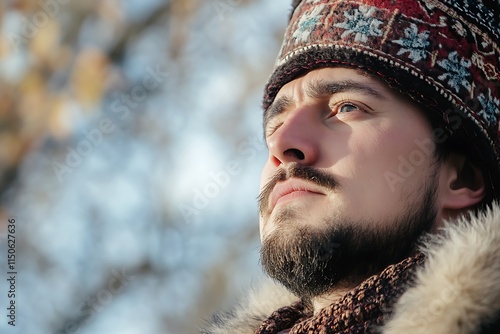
291 189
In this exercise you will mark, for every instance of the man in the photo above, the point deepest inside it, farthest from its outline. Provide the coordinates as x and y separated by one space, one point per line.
377 206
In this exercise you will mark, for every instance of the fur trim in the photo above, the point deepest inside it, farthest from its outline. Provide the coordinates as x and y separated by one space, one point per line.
248 316
458 290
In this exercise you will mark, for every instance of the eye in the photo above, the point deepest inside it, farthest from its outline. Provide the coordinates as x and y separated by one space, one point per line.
347 107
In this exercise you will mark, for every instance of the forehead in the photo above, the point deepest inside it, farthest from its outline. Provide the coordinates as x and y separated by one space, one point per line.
303 84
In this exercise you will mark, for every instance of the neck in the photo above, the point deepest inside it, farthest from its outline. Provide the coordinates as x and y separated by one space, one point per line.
325 300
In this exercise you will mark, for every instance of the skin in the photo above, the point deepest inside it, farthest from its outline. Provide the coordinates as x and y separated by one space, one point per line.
355 129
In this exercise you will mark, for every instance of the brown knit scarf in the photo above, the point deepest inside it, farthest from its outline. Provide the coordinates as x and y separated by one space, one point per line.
361 310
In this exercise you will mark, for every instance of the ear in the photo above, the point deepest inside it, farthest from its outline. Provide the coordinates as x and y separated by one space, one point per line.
463 183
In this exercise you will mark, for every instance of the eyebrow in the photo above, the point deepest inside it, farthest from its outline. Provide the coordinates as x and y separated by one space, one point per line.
320 89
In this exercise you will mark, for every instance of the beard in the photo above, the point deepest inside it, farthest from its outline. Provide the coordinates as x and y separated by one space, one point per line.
313 261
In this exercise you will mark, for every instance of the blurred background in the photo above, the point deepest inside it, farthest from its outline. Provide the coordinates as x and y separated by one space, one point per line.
130 154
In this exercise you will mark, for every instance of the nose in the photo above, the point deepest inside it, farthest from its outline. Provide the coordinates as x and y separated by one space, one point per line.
296 140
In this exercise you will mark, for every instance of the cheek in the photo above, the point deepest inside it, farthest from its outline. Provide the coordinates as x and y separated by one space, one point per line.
261 226
387 164
387 147
267 172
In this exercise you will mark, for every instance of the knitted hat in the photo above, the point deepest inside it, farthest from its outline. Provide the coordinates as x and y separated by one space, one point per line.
443 54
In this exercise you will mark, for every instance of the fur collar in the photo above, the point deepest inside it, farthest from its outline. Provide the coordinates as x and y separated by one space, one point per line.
457 291
248 316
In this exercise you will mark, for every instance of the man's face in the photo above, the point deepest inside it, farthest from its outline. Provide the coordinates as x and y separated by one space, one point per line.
330 205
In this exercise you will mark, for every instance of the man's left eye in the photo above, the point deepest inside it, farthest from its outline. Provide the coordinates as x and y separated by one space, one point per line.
347 107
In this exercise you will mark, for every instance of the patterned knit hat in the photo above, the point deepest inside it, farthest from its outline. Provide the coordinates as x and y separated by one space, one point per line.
444 54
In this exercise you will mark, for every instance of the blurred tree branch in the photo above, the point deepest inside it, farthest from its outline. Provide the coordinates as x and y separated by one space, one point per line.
133 30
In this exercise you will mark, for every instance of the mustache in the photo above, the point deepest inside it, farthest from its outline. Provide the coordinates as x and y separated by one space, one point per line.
298 171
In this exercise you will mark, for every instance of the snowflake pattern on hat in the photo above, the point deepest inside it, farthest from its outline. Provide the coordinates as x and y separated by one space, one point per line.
307 24
457 71
414 43
491 107
360 21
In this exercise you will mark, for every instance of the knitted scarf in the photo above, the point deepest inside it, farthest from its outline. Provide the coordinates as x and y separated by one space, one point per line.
360 310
